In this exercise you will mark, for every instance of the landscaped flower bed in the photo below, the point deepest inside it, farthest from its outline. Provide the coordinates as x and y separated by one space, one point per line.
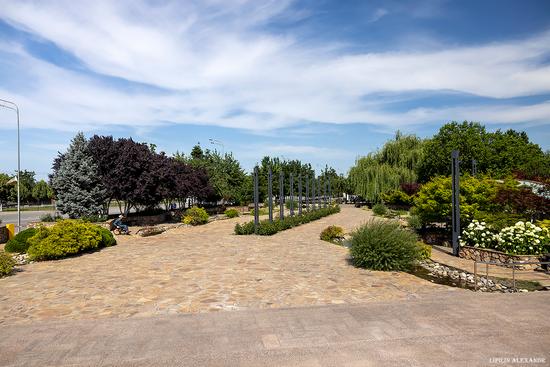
267 228
523 238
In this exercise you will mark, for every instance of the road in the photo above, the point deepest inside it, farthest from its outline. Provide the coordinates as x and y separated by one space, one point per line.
26 217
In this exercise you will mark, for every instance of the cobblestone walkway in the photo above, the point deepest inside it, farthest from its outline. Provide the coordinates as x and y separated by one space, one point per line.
202 269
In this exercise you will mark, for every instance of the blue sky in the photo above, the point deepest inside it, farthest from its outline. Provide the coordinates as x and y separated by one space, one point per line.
321 81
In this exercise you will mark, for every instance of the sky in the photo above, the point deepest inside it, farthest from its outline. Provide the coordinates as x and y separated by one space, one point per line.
320 81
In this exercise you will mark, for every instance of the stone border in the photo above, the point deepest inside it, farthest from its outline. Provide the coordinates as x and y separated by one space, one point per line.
502 259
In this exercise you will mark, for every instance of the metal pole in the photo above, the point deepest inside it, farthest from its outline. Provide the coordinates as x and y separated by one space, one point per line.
256 199
281 195
474 167
313 193
307 193
291 194
15 108
329 192
455 201
300 195
325 191
319 197
270 194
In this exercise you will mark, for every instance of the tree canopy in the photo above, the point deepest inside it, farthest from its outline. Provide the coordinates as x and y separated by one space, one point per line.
497 153
388 168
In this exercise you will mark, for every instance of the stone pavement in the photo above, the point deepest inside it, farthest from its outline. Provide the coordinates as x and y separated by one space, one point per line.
444 329
202 269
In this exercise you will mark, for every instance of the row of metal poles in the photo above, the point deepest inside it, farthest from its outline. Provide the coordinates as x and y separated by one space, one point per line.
314 198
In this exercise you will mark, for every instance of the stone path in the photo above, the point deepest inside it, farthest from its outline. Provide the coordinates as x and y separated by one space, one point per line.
202 269
444 329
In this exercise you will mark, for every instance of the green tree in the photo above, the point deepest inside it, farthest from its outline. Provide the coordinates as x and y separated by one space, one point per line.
385 170
498 153
76 182
225 173
25 187
42 192
4 187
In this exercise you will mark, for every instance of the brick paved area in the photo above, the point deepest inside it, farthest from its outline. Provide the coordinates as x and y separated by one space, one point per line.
444 329
202 269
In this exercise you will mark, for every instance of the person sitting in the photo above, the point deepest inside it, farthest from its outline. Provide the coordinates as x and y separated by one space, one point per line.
117 224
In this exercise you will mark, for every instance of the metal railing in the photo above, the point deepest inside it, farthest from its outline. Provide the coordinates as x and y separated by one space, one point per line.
513 265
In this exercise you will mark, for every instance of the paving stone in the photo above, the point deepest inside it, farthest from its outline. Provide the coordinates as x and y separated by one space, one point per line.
203 269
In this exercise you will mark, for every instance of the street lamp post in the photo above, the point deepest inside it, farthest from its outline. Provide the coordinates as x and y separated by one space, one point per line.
218 142
12 106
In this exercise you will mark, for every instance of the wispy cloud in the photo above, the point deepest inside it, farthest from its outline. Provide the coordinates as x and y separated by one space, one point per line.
213 57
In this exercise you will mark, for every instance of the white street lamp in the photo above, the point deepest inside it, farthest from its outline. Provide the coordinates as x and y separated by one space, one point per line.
218 142
12 106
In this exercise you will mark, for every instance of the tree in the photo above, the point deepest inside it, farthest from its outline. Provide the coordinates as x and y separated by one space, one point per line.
42 192
225 174
498 153
4 187
396 163
76 182
27 182
197 153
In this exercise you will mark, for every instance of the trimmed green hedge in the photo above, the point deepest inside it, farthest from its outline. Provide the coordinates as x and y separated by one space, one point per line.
265 228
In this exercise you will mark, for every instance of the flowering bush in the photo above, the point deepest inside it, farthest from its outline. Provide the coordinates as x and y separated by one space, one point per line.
477 234
523 238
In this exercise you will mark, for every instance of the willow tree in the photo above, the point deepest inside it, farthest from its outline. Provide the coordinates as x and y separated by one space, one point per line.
388 168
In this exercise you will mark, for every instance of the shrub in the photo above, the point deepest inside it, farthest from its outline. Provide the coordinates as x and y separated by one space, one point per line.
384 245
379 209
477 234
20 243
294 204
96 218
414 222
107 238
332 234
424 251
397 197
50 218
499 220
195 216
6 264
523 238
231 213
410 188
261 211
265 228
544 223
433 201
521 200
67 237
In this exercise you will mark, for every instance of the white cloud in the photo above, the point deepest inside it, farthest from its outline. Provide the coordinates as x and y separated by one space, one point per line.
215 57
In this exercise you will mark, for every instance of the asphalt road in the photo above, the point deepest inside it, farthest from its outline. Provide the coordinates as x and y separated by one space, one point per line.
26 217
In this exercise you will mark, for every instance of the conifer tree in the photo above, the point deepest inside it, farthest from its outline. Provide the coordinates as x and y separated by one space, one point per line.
76 182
